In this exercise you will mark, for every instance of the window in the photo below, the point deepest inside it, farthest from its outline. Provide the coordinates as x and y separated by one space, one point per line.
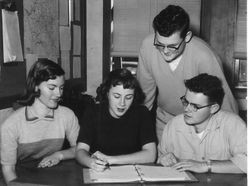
132 22
241 27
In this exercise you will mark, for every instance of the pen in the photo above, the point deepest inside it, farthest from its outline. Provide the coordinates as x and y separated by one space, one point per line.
107 166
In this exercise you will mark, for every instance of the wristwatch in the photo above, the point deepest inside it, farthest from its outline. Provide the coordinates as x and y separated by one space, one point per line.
209 166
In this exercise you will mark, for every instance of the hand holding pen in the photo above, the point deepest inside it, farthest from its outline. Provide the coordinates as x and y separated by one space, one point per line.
99 162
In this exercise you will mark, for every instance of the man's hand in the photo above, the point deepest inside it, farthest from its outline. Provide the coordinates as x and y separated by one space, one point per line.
191 165
51 160
168 160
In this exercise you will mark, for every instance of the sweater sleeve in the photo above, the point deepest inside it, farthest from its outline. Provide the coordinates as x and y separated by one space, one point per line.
72 129
9 142
87 123
147 129
165 143
145 78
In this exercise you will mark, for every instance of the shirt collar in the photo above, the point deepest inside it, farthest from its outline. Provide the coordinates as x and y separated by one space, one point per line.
31 117
212 125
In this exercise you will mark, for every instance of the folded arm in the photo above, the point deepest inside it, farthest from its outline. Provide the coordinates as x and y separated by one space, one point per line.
216 166
146 80
56 157
146 155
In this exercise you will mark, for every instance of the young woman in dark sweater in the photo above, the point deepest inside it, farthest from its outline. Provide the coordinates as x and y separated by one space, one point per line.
117 129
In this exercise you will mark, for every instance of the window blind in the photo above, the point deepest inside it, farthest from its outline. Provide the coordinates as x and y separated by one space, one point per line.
132 22
241 30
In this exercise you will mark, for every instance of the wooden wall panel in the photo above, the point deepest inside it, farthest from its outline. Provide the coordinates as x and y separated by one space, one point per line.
218 26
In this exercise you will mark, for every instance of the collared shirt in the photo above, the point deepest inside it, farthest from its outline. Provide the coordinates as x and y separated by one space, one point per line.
25 136
174 64
31 117
225 138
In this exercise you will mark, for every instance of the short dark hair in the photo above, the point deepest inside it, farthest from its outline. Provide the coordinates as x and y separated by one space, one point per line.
210 86
42 70
170 20
120 77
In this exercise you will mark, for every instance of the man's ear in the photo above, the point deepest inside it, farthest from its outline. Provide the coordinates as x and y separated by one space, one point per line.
214 108
189 36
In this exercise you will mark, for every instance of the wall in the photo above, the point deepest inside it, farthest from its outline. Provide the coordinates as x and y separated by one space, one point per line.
219 29
40 38
94 49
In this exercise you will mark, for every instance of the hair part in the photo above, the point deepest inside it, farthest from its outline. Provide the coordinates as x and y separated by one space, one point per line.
120 77
170 20
210 86
42 70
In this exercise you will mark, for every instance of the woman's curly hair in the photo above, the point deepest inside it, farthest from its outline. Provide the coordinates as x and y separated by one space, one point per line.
120 77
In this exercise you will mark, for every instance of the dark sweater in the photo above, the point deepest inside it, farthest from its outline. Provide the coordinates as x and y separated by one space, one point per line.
113 136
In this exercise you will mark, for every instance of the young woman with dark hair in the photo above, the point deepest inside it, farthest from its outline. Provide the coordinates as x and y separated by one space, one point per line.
37 130
117 130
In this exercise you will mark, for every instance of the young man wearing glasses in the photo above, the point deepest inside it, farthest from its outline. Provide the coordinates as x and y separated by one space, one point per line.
168 57
204 138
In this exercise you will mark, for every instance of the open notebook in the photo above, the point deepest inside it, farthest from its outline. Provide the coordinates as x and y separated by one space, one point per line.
136 173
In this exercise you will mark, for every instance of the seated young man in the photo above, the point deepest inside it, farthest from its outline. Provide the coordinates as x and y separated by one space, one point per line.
204 138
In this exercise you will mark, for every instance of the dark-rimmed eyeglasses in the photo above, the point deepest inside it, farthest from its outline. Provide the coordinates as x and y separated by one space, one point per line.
194 107
162 47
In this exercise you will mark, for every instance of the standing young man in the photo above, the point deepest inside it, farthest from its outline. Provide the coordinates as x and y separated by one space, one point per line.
168 57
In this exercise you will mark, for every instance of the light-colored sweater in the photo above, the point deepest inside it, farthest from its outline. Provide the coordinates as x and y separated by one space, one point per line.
154 72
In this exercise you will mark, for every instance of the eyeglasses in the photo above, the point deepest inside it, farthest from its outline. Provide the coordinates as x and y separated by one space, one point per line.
193 106
162 47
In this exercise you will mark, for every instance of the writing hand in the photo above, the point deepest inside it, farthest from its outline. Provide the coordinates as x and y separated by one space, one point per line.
99 163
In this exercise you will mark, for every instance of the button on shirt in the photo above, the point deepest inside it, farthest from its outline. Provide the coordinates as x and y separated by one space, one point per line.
225 138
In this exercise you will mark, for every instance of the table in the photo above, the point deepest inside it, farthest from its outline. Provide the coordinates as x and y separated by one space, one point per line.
69 173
